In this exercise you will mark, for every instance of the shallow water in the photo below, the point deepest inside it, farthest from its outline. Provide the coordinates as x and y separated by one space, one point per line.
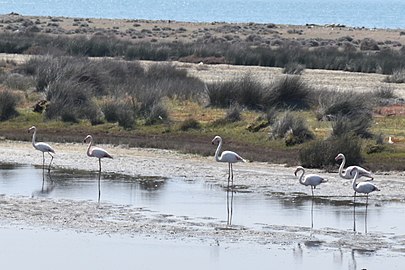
43 249
202 201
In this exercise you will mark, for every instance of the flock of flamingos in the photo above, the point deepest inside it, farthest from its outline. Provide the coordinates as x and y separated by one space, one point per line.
230 157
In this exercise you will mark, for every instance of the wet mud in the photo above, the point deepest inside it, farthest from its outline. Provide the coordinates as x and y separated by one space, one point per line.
273 181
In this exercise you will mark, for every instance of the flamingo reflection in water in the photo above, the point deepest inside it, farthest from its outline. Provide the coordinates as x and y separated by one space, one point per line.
312 180
365 188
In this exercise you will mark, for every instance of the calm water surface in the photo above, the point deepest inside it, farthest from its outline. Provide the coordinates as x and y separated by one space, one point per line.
199 200
367 13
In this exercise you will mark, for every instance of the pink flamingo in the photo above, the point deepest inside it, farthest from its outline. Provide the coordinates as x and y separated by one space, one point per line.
226 156
363 187
98 153
312 180
349 173
43 147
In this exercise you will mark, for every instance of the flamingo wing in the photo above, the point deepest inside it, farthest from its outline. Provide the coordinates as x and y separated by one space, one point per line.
314 180
100 153
44 147
362 171
231 157
366 187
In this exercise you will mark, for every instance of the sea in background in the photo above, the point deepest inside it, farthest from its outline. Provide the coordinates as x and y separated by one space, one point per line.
356 13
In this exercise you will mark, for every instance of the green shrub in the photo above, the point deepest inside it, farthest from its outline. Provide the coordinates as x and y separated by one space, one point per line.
322 153
8 104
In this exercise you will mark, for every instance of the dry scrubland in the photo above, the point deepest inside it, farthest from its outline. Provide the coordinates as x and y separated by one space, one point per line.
188 123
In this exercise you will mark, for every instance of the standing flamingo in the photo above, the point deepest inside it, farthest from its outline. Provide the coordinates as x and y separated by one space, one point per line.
312 180
348 173
98 153
226 156
43 147
363 187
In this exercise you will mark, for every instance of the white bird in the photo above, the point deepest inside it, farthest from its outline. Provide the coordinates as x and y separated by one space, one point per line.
348 173
98 153
363 187
226 156
312 180
43 147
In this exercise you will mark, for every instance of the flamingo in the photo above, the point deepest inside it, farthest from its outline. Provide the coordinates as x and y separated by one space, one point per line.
98 153
226 156
363 187
43 147
348 173
312 180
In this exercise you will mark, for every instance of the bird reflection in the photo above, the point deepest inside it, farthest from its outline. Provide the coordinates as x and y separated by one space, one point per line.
229 206
47 187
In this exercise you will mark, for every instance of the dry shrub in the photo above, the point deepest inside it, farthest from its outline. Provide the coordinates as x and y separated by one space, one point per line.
8 104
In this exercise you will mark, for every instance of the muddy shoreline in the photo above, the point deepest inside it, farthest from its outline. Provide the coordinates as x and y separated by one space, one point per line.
253 177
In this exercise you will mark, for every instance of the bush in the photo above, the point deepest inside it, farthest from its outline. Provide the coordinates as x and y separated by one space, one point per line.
322 153
294 69
190 123
358 125
71 100
348 104
157 114
233 114
119 111
397 76
288 92
293 128
8 104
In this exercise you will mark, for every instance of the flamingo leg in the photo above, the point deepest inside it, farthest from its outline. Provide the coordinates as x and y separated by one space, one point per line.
312 214
43 160
354 212
232 173
365 218
229 173
50 163
99 177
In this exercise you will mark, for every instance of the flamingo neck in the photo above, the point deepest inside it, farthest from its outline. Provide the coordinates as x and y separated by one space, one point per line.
302 177
342 165
89 147
217 158
33 138
354 184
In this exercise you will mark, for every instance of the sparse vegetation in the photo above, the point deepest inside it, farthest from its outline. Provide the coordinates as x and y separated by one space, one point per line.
8 104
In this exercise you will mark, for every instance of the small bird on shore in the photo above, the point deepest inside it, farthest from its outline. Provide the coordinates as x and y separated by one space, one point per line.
43 147
226 156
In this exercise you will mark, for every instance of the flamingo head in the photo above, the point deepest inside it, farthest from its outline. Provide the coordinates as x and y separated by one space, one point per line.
87 138
216 139
31 128
339 156
299 168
